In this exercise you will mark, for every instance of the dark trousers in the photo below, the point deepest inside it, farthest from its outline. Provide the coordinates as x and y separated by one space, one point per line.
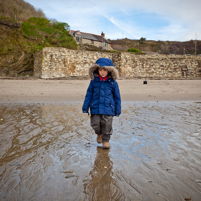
102 124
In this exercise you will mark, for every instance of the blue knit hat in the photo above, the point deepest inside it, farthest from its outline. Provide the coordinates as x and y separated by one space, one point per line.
104 62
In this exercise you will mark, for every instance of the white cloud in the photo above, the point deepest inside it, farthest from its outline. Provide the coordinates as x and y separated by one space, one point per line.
126 28
183 15
180 17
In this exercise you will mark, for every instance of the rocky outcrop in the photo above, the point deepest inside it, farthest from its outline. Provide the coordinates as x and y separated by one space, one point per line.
9 23
13 60
12 65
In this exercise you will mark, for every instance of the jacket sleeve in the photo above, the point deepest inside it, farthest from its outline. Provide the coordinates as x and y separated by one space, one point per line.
88 98
117 99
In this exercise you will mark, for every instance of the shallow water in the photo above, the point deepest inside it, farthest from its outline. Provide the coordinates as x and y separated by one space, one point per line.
49 152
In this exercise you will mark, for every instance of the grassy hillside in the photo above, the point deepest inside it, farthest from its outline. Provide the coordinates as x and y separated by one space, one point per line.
33 35
25 30
19 42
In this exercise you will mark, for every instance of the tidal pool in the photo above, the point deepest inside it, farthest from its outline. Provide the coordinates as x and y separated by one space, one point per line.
48 151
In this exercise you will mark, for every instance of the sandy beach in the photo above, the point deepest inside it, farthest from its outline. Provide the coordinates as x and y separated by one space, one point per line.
74 90
48 151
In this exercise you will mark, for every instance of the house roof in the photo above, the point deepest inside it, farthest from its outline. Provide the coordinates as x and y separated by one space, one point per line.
89 36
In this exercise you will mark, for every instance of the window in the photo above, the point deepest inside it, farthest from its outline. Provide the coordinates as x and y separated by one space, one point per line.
92 42
79 38
104 44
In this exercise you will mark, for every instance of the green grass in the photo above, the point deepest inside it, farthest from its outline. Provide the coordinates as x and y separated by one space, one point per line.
29 29
34 35
134 50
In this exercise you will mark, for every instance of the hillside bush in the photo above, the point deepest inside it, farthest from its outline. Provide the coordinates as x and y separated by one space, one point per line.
39 21
29 29
134 50
142 40
48 33
61 25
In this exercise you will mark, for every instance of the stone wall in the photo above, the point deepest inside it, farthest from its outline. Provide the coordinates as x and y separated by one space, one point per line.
160 66
61 62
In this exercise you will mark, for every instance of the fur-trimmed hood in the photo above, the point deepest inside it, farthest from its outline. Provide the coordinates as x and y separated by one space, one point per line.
103 63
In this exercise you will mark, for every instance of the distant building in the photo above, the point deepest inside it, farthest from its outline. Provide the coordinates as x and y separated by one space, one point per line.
88 38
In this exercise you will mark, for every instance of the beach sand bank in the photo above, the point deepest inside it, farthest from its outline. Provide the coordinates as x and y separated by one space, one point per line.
75 90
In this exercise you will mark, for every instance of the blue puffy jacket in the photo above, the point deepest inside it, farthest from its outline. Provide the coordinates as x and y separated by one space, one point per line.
103 97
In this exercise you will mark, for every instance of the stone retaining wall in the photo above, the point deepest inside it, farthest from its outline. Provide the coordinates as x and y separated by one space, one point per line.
60 62
160 66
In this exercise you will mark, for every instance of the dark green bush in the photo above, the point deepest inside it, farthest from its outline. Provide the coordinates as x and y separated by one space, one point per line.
61 26
39 21
29 29
134 50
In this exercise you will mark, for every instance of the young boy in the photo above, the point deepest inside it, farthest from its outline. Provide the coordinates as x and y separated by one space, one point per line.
103 98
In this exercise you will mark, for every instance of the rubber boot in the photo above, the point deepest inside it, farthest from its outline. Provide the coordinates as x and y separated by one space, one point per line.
99 139
106 145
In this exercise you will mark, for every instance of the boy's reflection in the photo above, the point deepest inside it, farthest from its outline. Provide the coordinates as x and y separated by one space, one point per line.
100 185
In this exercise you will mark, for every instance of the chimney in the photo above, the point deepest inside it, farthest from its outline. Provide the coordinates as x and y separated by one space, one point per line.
103 35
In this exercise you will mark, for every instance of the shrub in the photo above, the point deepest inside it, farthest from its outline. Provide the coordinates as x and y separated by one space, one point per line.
61 26
39 21
134 50
29 29
142 40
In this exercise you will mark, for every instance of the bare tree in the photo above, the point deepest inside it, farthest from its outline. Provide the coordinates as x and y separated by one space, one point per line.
19 10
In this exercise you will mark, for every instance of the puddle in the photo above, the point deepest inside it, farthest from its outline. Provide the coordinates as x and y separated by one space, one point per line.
48 151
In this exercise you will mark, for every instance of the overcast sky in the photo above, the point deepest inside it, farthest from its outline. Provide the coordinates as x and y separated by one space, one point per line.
172 20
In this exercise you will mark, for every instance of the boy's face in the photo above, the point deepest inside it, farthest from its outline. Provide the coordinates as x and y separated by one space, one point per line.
102 72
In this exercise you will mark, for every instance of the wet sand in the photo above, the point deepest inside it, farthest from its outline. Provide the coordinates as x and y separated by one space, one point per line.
74 90
48 151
